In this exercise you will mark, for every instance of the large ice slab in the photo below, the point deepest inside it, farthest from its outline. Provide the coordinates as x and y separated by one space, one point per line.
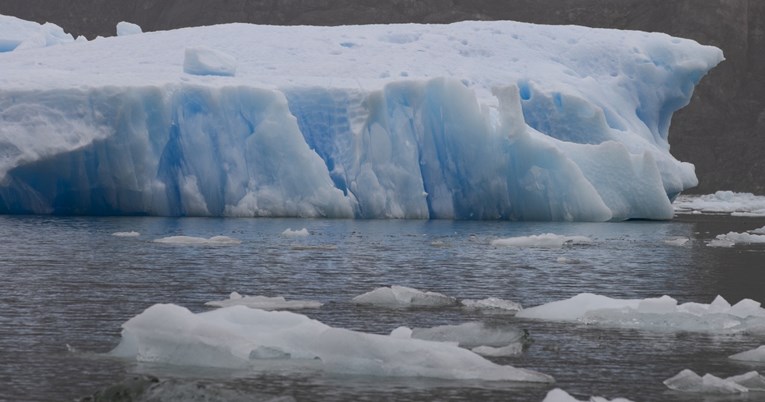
754 355
403 296
242 338
559 395
473 120
16 33
689 381
655 314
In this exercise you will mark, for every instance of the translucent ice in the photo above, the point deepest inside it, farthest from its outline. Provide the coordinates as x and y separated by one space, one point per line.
472 334
352 121
125 28
492 304
754 355
19 34
241 337
264 302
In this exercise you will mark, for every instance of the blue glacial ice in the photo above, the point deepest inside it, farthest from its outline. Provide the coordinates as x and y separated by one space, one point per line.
474 120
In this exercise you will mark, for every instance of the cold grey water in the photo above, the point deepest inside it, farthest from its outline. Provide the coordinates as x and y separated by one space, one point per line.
67 285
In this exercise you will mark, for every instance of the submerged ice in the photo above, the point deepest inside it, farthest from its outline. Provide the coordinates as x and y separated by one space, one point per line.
242 338
473 120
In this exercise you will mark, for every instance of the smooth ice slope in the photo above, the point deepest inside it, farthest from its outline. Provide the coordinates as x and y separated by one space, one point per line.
241 337
473 120
19 34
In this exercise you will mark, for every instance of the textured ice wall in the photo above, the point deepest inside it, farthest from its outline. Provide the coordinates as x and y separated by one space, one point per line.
482 121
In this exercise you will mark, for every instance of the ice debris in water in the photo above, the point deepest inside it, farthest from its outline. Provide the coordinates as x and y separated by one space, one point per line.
542 137
191 240
264 302
547 240
402 296
730 239
677 241
754 355
660 314
125 28
241 337
689 381
721 202
126 234
295 233
202 60
559 395
492 304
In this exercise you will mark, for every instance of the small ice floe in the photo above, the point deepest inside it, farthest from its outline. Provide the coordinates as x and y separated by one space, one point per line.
243 338
559 395
206 61
754 355
513 349
295 233
547 240
193 241
126 234
756 236
677 241
689 381
722 202
264 302
402 296
125 28
492 304
566 260
660 314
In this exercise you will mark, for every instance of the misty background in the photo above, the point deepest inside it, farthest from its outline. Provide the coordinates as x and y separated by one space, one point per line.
722 131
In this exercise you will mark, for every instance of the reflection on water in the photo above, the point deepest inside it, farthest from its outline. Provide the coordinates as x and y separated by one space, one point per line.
68 281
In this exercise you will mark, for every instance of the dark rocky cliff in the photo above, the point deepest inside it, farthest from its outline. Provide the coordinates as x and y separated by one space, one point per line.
722 131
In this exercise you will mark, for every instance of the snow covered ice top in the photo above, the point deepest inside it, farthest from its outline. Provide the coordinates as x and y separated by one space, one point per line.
473 120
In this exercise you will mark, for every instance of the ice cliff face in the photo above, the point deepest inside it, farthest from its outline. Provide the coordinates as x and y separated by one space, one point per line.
495 120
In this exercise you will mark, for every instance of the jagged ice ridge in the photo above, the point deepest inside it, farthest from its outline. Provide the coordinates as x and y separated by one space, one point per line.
473 120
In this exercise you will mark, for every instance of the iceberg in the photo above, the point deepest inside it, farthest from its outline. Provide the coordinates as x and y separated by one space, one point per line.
471 120
754 355
239 337
125 28
559 395
654 314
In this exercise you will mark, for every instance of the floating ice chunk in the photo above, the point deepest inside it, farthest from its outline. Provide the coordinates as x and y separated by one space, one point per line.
264 302
232 337
689 381
677 241
401 296
732 238
547 240
126 234
722 202
295 233
659 314
752 380
512 349
754 355
191 241
472 334
576 307
125 28
493 304
559 395
16 33
206 61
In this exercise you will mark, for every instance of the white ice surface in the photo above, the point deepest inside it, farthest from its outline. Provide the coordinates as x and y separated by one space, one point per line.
295 233
402 296
241 337
471 334
547 240
730 239
721 202
125 28
191 240
472 120
264 302
656 314
754 355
